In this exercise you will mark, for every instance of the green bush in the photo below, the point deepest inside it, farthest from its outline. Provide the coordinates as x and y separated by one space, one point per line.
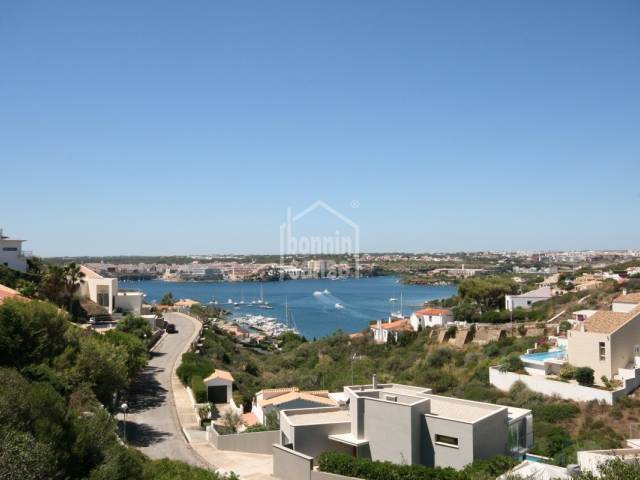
568 372
344 464
194 365
199 390
584 376
439 357
512 363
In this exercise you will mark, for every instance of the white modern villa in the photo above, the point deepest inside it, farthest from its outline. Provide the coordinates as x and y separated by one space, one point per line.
526 300
11 253
607 341
407 424
105 292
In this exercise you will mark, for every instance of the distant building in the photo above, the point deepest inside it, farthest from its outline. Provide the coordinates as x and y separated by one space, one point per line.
320 268
11 254
526 300
431 317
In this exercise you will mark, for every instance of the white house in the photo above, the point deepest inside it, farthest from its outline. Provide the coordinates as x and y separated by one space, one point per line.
392 328
105 292
11 254
219 386
431 317
527 299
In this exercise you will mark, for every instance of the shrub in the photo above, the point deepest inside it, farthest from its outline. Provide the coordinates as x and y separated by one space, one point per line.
584 376
194 365
568 372
199 389
512 363
439 357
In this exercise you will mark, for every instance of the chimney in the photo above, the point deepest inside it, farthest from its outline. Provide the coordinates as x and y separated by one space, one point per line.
374 381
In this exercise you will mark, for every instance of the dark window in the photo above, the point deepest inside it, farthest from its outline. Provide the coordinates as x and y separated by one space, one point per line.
453 441
603 351
10 249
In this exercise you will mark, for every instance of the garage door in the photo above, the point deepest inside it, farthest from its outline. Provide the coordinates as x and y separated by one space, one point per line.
217 394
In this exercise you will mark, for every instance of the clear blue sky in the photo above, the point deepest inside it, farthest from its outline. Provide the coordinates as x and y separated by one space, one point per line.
157 127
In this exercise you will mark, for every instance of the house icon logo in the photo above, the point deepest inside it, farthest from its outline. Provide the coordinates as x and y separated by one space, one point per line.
326 232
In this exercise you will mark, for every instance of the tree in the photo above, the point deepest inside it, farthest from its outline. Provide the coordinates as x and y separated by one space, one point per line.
137 354
231 420
467 311
167 299
23 457
102 365
30 332
488 292
137 326
584 376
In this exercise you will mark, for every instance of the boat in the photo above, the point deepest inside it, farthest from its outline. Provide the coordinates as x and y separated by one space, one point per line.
326 292
230 301
317 293
339 306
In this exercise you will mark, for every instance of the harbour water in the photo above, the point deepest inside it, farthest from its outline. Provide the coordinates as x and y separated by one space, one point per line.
317 307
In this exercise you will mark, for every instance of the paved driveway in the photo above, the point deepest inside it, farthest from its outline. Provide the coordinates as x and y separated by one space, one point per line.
152 424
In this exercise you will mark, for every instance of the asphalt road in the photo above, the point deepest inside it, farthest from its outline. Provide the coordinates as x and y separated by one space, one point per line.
152 424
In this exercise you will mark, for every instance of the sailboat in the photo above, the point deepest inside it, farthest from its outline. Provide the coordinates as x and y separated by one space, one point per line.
241 302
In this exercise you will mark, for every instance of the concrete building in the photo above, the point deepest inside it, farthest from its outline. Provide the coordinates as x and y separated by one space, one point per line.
105 292
219 386
431 317
278 399
11 253
527 299
407 424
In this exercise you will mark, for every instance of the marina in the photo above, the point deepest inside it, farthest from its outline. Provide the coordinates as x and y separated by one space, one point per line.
315 308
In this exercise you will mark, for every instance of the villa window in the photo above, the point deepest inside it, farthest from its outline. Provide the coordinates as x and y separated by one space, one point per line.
446 440
603 351
10 249
103 299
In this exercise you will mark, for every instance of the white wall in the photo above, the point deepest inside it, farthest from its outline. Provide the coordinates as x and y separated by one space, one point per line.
570 391
623 307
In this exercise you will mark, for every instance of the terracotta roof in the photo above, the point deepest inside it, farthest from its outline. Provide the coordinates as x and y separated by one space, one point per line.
433 311
399 325
221 374
249 419
317 397
606 321
629 298
6 292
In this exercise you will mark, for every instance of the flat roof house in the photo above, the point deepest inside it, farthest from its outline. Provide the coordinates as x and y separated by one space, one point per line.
407 424
11 254
105 292
527 299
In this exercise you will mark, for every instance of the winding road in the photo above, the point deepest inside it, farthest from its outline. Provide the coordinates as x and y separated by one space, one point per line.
152 424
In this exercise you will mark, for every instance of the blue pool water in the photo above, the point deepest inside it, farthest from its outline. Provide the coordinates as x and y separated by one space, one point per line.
542 356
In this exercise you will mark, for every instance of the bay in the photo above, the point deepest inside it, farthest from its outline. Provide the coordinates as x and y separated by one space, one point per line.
312 303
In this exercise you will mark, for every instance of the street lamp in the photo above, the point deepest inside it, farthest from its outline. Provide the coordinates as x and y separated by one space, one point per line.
124 408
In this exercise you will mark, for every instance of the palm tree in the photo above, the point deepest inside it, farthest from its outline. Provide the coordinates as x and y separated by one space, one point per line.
60 284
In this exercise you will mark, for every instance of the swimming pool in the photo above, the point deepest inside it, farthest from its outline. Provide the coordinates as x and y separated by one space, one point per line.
542 356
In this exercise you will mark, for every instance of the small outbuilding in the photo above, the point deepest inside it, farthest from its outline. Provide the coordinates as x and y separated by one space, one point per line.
219 386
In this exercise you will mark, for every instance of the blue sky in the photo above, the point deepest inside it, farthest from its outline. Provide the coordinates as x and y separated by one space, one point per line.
190 127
